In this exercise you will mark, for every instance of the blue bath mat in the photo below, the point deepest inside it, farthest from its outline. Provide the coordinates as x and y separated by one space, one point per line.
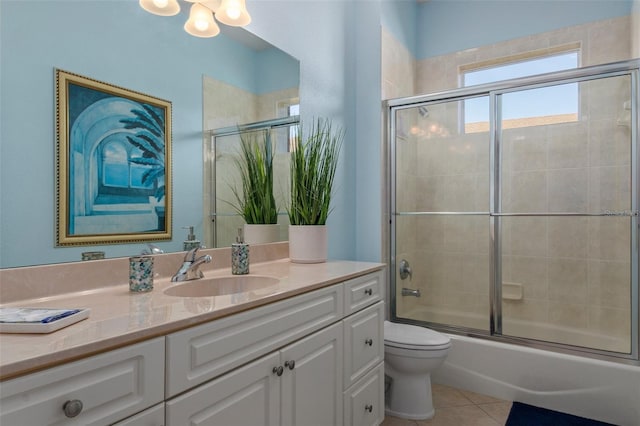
528 415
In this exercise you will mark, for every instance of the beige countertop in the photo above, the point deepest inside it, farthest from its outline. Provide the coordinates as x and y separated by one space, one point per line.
119 317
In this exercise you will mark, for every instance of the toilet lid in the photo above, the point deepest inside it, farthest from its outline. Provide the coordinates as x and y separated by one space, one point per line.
407 336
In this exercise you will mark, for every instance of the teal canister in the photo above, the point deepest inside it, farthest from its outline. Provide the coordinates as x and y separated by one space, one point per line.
140 274
239 256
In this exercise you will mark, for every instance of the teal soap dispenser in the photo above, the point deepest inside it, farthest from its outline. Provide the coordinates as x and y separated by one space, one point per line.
191 242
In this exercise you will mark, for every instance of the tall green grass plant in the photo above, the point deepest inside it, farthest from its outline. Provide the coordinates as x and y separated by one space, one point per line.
255 201
313 168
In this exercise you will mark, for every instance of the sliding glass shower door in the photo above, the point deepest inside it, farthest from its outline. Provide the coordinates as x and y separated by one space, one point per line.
516 226
564 211
442 216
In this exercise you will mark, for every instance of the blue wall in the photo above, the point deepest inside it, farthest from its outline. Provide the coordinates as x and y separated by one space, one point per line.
400 18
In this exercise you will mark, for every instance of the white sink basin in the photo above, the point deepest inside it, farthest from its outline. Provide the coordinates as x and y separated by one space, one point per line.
219 286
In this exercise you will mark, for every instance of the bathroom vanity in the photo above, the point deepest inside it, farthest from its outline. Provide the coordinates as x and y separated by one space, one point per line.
306 350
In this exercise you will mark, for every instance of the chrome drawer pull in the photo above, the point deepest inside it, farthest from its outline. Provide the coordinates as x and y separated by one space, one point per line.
72 408
368 292
291 364
369 342
278 370
368 408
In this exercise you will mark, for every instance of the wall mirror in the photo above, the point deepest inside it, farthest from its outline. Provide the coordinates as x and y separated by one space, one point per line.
271 106
229 80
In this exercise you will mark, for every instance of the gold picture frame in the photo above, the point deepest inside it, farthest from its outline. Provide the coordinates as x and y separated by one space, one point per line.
113 164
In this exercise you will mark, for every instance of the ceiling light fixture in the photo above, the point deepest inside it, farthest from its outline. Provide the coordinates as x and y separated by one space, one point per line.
201 14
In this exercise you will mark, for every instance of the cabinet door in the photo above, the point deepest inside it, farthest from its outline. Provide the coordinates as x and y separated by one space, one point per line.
364 401
312 386
249 395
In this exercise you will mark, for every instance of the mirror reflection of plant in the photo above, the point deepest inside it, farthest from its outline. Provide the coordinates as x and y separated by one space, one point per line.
149 139
255 201
313 167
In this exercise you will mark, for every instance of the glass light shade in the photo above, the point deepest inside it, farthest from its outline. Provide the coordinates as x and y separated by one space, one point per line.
200 22
234 13
161 7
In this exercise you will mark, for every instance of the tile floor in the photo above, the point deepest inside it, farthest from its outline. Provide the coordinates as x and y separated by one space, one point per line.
455 407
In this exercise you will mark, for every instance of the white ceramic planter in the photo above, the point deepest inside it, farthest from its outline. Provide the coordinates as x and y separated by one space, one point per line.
261 234
308 243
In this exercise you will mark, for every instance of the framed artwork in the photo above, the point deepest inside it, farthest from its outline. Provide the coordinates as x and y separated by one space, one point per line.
113 155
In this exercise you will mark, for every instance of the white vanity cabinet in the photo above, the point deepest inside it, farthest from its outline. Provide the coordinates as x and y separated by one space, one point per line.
314 359
99 390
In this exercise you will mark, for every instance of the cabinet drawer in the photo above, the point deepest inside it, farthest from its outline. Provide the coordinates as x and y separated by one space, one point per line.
201 353
363 342
364 401
110 386
363 291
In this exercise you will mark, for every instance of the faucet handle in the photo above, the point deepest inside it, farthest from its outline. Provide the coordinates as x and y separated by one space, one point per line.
405 270
191 255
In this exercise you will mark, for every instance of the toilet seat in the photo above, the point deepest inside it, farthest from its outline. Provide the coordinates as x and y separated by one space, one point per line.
411 337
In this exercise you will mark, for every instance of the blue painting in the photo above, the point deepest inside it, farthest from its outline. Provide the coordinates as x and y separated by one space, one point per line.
113 162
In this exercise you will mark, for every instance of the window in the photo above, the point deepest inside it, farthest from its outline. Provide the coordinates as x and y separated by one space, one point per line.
119 178
557 104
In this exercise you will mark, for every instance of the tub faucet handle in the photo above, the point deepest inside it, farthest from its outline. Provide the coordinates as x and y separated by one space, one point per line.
405 270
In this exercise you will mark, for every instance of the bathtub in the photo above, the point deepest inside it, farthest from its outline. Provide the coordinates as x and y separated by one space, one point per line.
601 390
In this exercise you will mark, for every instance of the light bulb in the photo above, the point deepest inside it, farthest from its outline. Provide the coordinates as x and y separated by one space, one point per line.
161 7
233 10
200 22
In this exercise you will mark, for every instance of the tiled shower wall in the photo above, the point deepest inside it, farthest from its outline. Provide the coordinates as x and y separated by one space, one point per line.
574 272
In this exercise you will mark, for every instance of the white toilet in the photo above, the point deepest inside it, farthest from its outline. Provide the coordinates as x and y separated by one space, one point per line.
411 353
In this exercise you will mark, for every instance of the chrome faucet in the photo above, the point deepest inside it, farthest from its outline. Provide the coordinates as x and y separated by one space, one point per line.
151 249
190 267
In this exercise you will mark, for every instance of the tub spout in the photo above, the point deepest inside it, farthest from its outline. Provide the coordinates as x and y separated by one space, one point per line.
410 292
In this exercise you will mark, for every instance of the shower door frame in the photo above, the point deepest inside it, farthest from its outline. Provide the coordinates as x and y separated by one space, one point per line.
494 91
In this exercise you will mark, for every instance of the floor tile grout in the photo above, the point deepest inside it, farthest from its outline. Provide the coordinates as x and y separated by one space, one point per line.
457 407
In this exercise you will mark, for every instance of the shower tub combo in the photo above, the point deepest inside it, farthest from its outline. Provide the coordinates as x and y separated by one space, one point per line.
517 236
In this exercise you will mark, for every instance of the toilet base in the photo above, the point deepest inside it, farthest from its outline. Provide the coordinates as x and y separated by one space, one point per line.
410 416
410 398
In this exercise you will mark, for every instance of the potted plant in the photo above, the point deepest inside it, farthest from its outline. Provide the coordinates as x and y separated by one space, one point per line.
313 167
255 201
